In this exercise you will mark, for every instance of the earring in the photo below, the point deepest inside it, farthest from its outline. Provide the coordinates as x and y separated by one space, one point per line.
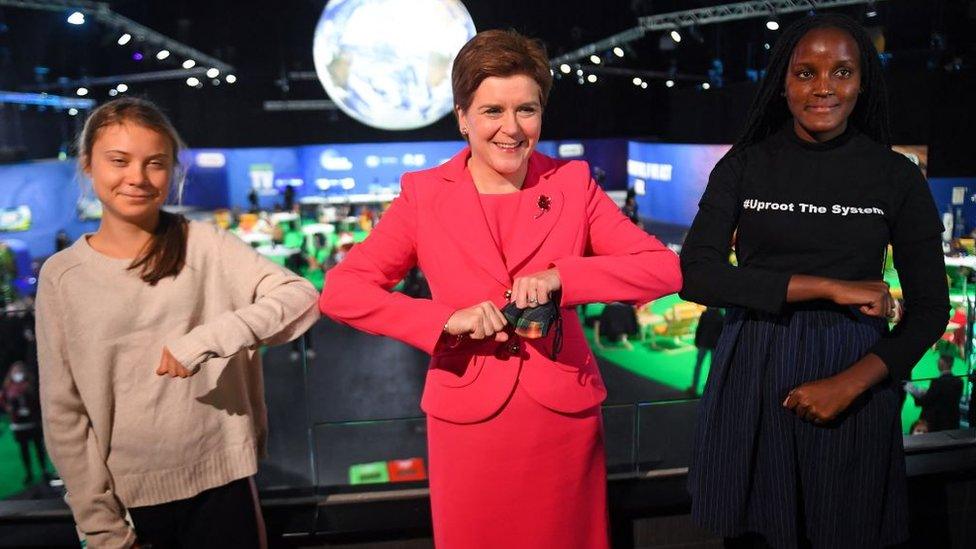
464 131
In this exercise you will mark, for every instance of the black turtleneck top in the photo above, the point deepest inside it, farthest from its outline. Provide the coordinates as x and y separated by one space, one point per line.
825 209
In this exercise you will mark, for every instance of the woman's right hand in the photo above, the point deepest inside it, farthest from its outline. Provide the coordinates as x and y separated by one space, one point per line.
480 321
872 297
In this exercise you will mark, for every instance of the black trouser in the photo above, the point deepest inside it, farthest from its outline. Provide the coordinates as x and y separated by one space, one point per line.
24 439
220 517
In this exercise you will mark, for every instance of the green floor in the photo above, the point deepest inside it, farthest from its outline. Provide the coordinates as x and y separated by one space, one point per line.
675 367
11 469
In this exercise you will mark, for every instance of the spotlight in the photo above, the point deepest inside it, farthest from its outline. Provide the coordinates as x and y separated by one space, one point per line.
644 85
193 81
706 85
766 46
579 72
669 83
73 111
618 51
82 91
189 64
230 78
122 88
637 81
215 81
76 18
124 39
772 25
162 54
871 11
676 36
113 92
137 56
212 73
591 78
565 68
595 59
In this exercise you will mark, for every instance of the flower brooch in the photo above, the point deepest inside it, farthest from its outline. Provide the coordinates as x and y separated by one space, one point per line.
544 204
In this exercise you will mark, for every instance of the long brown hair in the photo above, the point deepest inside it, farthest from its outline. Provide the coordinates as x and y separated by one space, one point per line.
165 253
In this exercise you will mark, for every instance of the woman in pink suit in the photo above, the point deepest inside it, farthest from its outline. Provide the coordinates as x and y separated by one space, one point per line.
515 436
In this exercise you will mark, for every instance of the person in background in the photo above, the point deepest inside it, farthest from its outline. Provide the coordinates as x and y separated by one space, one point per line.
940 402
61 240
920 427
706 338
18 398
630 207
289 198
798 440
150 294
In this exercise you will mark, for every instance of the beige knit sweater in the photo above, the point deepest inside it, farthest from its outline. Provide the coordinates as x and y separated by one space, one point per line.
119 434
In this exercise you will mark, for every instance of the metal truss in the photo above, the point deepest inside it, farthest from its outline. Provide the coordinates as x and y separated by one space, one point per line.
101 12
736 12
152 76
697 17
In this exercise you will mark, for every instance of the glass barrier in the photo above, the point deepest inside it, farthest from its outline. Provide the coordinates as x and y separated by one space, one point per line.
343 406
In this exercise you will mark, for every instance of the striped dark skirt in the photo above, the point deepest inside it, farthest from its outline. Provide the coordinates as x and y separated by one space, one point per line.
756 467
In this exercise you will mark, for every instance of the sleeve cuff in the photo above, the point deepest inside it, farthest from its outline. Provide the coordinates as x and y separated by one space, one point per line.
569 271
898 369
188 352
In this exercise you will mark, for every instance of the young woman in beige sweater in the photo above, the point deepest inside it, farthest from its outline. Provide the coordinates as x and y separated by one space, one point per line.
146 298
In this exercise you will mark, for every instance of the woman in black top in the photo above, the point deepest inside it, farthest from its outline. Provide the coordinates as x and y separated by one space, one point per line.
799 438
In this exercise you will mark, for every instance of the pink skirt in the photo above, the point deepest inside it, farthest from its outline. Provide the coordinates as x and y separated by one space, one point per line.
528 477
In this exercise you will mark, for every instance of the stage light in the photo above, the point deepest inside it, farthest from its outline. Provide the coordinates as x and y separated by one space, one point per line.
579 72
618 51
76 18
871 11
591 78
73 111
637 81
676 36
122 88
766 46
772 25
162 54
215 81
137 56
82 91
706 85
113 92
230 78
193 81
595 59
644 85
669 83
189 64
565 68
124 39
212 73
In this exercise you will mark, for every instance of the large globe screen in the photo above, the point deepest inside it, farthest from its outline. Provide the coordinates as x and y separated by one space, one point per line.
387 63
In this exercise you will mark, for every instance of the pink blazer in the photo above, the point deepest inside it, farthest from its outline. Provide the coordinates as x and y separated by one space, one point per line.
437 223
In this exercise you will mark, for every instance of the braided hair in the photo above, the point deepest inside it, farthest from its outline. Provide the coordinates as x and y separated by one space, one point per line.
769 111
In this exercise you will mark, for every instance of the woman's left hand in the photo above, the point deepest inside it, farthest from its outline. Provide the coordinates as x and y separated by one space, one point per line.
534 290
168 365
819 401
824 400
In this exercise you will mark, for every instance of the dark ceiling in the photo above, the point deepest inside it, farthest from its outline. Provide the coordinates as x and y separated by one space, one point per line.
267 40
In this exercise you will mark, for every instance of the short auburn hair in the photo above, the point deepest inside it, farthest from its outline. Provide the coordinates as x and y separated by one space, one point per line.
499 53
